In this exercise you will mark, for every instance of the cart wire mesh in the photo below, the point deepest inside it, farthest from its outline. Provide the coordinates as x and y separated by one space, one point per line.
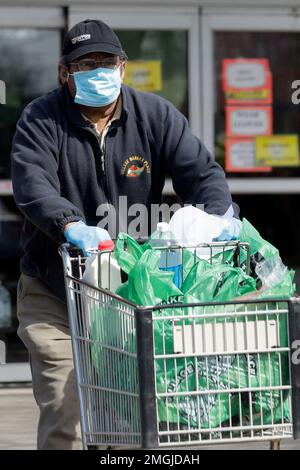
222 372
178 374
103 338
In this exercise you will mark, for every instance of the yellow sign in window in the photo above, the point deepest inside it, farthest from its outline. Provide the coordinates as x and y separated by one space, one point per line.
144 75
248 95
277 150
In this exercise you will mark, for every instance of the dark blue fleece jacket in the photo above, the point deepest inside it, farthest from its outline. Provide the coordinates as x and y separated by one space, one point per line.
60 174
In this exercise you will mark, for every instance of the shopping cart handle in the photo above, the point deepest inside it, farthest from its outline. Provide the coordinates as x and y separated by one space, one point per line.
66 248
63 250
68 252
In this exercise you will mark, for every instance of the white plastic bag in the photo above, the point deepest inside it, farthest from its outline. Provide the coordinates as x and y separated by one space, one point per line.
191 225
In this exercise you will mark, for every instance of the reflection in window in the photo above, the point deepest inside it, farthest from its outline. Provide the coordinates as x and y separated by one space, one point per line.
169 47
285 68
28 65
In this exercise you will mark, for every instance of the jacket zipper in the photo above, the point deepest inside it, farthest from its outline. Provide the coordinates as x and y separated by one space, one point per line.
102 165
102 159
103 169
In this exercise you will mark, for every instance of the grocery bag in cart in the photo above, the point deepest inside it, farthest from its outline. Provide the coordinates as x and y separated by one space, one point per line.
207 362
204 281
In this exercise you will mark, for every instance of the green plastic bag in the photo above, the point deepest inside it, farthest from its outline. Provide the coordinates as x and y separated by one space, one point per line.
205 282
250 235
225 372
128 252
267 405
261 250
110 366
191 375
202 281
284 289
147 284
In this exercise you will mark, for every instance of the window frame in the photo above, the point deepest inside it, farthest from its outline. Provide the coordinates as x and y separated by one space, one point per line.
32 17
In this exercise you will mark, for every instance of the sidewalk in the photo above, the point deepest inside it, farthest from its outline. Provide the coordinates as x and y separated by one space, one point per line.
19 417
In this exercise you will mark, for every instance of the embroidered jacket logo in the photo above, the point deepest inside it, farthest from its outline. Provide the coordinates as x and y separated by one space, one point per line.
81 38
134 166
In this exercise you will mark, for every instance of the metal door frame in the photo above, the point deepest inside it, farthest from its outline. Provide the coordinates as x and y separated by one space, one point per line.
23 17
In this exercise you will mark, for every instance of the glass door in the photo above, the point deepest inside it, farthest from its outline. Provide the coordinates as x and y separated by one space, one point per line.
30 47
242 115
167 51
252 126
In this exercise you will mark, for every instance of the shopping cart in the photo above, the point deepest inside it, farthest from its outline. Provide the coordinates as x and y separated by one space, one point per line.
179 374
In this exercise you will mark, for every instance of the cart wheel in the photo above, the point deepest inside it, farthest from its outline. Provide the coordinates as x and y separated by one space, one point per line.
275 445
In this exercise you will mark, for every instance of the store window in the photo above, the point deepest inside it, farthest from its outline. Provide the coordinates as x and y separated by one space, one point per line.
257 135
257 119
158 63
28 66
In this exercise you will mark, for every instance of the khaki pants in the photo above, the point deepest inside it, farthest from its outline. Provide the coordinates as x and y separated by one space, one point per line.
43 328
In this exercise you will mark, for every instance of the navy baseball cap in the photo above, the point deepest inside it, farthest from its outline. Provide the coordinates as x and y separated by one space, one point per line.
91 36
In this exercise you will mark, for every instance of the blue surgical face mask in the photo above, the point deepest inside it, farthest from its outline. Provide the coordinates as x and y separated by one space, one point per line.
98 87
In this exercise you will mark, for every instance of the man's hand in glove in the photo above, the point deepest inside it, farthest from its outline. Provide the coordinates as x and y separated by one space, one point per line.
84 236
230 232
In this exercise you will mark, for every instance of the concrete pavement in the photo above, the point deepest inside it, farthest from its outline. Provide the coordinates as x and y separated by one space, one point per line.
19 417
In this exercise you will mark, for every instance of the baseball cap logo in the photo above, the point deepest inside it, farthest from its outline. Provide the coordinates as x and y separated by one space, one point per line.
81 38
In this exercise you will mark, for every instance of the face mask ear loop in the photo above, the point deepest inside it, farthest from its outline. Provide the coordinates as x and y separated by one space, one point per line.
122 70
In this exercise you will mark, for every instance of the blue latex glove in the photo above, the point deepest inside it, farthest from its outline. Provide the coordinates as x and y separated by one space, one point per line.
85 237
231 232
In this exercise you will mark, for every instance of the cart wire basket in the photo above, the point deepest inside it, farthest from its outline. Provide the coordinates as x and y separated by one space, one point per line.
180 374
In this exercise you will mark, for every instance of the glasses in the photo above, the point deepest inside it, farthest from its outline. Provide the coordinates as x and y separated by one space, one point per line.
85 65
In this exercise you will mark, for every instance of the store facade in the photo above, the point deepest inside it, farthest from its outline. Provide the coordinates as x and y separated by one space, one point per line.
229 69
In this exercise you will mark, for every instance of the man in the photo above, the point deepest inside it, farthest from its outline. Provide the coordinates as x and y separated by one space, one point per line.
70 154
